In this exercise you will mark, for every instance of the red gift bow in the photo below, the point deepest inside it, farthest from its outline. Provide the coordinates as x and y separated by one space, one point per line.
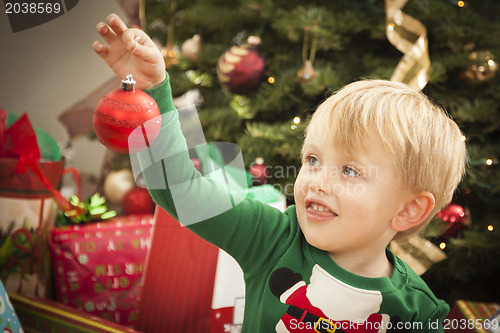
19 141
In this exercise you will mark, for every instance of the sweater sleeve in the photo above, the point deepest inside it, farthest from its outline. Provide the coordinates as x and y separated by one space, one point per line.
249 230
170 175
435 321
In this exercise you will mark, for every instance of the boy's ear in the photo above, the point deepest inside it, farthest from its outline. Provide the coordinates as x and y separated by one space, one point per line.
414 211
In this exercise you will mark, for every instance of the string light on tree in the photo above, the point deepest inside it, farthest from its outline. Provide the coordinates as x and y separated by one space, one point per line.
490 228
491 161
170 55
442 245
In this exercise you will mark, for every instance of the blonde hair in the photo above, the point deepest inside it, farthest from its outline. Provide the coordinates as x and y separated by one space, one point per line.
424 143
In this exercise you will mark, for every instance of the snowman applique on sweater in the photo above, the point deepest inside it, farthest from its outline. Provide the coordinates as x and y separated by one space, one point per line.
327 304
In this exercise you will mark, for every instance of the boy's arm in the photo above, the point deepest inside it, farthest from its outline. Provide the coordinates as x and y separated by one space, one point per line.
246 229
435 321
131 51
169 173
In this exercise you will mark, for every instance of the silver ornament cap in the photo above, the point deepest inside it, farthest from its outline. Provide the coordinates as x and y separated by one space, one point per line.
128 84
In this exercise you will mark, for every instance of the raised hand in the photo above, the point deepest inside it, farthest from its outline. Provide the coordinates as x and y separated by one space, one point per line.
130 51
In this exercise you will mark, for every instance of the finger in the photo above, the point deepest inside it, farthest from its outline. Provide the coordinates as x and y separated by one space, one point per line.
139 45
100 49
132 38
116 24
137 49
106 33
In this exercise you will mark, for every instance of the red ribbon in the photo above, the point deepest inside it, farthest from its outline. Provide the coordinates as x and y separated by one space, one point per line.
19 141
32 251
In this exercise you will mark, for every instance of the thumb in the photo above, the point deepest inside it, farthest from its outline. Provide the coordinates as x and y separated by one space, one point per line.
133 45
132 38
139 45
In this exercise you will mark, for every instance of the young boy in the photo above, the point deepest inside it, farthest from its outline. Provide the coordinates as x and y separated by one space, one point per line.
379 160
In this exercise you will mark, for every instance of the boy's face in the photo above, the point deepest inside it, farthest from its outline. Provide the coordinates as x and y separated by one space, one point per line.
345 203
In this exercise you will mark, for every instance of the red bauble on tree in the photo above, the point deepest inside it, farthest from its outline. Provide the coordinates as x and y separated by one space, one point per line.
259 171
127 120
241 69
138 201
456 218
452 214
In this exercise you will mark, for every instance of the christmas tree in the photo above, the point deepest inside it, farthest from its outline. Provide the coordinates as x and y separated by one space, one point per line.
310 50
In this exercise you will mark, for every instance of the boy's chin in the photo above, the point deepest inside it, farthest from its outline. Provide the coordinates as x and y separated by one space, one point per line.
318 241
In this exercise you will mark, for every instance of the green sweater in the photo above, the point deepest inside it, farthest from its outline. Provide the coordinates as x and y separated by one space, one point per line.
290 285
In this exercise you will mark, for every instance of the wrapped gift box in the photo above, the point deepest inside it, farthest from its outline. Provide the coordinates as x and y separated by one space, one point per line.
191 285
28 213
98 267
44 315
31 168
473 317
9 321
180 283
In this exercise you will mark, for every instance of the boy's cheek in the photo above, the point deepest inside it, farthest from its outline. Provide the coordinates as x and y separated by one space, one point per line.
299 190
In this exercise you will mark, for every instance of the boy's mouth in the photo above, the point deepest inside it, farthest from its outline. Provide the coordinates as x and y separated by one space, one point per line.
316 207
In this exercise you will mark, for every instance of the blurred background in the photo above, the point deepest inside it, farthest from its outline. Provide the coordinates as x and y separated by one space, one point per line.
256 70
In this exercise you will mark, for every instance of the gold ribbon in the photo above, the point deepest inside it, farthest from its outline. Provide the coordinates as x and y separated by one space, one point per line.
409 36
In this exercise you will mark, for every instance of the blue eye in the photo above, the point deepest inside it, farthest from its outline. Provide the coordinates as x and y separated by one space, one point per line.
350 172
312 161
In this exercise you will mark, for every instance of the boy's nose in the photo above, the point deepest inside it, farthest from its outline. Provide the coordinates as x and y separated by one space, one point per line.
317 187
323 182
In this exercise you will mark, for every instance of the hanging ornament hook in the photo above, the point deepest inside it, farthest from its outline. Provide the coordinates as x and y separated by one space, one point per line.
307 72
170 52
314 44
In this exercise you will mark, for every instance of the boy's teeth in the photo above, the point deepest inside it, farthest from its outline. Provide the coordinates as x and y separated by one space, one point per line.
319 208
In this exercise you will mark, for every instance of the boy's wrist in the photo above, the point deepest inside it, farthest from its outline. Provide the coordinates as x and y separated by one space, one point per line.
155 86
162 80
158 83
162 94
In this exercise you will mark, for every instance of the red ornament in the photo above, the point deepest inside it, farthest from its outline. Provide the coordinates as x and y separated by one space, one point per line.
259 172
197 164
241 69
452 214
138 201
127 120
